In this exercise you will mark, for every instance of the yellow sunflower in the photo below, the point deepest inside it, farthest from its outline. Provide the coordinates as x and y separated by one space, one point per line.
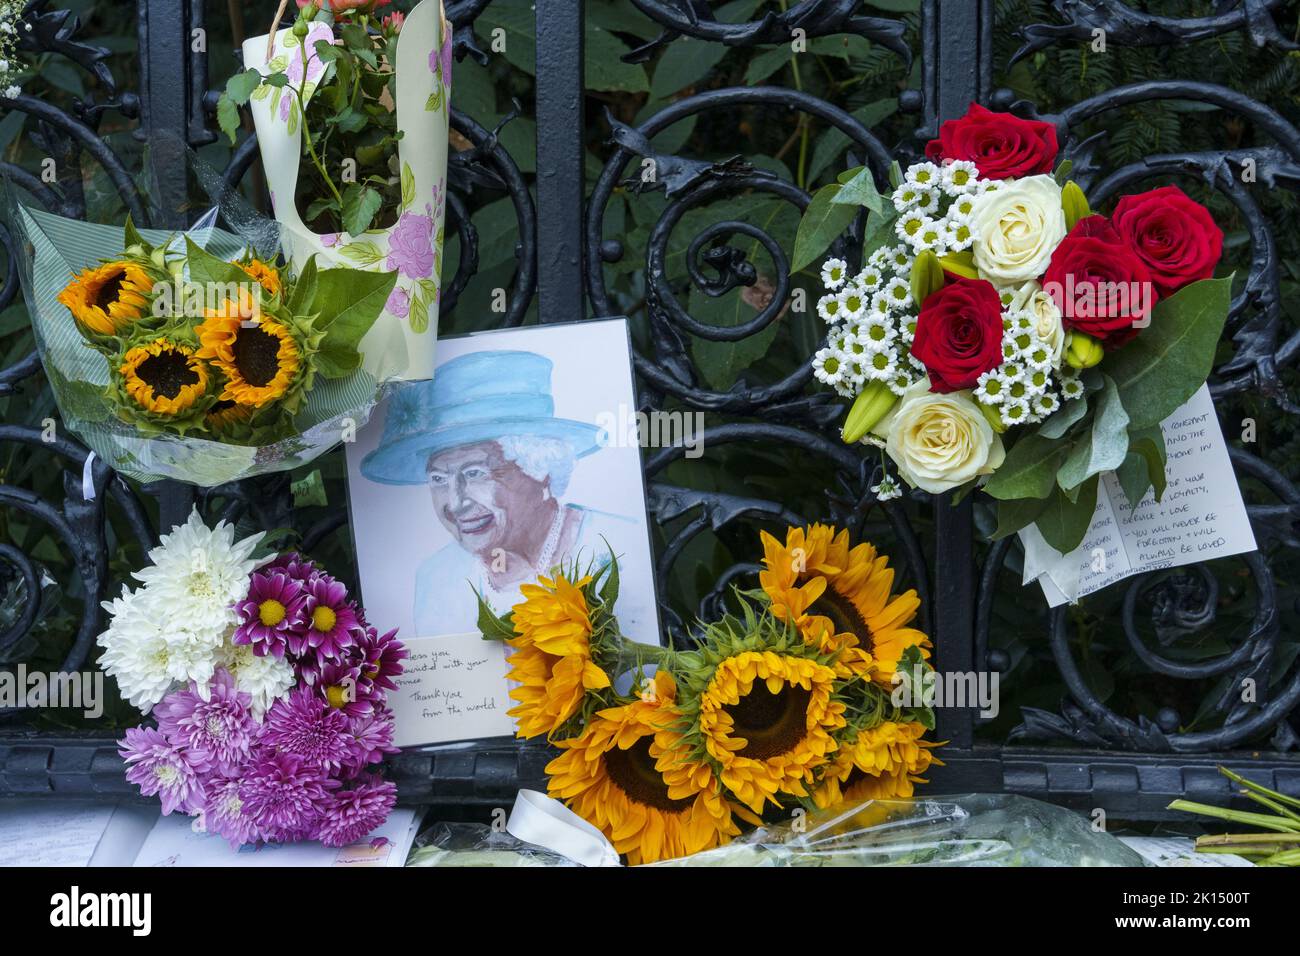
259 356
552 655
629 776
840 599
267 276
767 719
108 298
225 414
881 763
164 377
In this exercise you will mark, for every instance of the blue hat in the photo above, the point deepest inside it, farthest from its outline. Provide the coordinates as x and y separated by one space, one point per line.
477 397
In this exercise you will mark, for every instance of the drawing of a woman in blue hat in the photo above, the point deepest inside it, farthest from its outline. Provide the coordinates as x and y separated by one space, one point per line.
483 436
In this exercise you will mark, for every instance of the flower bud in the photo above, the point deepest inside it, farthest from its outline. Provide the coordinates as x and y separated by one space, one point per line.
159 257
300 28
994 418
872 404
1082 351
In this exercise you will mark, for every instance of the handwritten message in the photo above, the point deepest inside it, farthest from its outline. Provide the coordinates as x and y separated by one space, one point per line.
1200 516
453 688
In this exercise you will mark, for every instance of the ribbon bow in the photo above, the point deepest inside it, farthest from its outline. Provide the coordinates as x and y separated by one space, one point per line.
545 822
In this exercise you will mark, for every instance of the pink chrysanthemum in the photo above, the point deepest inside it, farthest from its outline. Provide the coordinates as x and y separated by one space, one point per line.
273 612
283 795
372 738
223 813
293 564
158 766
351 814
218 730
304 725
331 620
381 657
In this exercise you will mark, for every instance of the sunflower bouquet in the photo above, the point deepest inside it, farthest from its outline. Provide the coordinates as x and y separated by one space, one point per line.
789 704
195 356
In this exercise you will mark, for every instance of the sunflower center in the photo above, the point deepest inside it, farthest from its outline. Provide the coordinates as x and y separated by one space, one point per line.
633 771
256 354
108 292
167 373
270 612
843 614
771 724
323 618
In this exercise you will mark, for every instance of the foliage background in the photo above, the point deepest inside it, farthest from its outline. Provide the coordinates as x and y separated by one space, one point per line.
847 71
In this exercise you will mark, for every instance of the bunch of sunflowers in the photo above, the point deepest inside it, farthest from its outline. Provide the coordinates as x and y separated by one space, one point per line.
200 346
786 704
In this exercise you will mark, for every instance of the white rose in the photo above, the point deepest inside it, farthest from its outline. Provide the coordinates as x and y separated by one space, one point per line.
939 441
1017 227
1031 298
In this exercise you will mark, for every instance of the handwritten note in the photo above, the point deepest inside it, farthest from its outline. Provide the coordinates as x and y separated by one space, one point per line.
50 832
453 688
1199 517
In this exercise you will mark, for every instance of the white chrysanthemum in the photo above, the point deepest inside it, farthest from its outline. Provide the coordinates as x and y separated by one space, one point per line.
875 334
880 258
1010 351
882 305
962 208
1071 388
1038 356
883 365
1037 380
198 573
828 307
886 488
834 273
909 224
990 389
871 279
855 373
899 293
853 302
985 186
927 201
1011 372
1014 411
904 197
931 236
263 678
960 177
136 649
1046 404
901 381
828 366
957 235
901 259
925 174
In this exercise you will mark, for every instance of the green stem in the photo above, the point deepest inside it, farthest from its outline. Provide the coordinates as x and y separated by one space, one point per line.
1259 788
301 93
1236 816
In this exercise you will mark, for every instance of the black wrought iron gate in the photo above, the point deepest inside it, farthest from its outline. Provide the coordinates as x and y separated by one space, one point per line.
1087 755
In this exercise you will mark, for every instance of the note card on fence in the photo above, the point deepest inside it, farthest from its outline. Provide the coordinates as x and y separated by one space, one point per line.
1199 517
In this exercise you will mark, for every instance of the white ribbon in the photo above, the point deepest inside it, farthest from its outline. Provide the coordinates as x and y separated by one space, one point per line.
542 821
88 478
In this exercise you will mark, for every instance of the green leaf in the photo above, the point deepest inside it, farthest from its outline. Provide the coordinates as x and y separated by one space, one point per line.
1150 444
408 185
606 70
240 87
493 627
207 269
360 204
1134 477
347 303
1064 523
1029 470
1016 514
228 116
1166 363
822 222
131 236
927 276
304 289
1104 447
1059 423
860 190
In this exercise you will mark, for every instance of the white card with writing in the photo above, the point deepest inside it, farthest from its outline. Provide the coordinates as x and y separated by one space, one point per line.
453 688
1200 516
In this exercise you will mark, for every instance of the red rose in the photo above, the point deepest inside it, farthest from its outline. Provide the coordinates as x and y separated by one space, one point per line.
999 144
959 333
1102 287
1174 235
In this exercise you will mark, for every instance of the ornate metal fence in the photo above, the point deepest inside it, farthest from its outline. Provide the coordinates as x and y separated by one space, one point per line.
1087 754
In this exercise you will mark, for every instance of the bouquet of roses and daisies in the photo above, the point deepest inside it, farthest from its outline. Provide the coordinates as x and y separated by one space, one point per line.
267 685
1001 334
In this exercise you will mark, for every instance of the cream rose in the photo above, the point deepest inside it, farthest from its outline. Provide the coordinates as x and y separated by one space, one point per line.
940 441
1031 298
1017 228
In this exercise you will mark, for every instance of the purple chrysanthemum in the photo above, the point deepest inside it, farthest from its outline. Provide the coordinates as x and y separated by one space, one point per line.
372 737
158 766
339 684
351 814
381 657
294 564
283 795
223 813
218 730
273 612
304 725
331 619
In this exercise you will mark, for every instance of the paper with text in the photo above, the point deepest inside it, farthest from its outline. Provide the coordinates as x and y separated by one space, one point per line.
1200 516
453 688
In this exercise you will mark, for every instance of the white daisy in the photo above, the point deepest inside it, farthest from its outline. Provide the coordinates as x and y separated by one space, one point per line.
1011 372
929 236
883 364
990 389
960 176
901 259
828 307
1014 412
905 196
1071 388
834 273
875 335
886 488
828 366
853 302
957 235
880 258
899 293
882 304
1045 404
962 208
1037 380
927 201
925 174
870 278
909 224
901 381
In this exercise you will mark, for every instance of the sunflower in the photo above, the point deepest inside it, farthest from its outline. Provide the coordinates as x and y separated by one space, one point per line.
840 599
767 719
879 763
164 377
225 415
552 657
267 276
259 356
108 298
628 774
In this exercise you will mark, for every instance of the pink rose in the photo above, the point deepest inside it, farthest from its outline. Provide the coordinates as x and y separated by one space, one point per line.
410 248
